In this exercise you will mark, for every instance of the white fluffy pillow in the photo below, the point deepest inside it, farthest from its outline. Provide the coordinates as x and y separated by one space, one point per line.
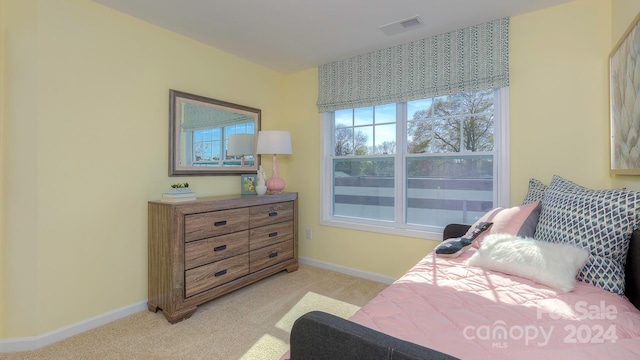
554 265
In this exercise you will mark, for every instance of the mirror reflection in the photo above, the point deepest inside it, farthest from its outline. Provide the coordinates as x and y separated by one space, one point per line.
211 137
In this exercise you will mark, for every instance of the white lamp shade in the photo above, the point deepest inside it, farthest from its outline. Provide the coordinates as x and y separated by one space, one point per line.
241 144
274 142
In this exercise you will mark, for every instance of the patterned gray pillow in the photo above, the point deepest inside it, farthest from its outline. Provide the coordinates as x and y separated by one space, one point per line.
600 221
535 192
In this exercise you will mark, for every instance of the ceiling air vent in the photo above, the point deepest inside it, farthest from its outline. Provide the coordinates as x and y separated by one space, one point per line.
402 26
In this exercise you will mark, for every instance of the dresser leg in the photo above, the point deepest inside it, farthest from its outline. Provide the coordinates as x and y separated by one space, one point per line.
292 268
180 315
152 308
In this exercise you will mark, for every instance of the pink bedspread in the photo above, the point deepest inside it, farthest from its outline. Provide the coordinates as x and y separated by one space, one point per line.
472 313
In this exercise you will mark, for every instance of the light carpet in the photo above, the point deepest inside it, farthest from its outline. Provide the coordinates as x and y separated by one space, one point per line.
251 323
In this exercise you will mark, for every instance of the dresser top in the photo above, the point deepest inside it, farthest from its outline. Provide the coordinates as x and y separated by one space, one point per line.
210 203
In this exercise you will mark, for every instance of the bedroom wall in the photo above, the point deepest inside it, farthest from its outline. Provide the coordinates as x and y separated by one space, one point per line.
84 147
622 14
3 90
559 95
18 62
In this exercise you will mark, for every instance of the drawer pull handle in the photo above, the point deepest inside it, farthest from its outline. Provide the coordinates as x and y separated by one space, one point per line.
220 223
273 234
272 255
220 248
273 213
220 273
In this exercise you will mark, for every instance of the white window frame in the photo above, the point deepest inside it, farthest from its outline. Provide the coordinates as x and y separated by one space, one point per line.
501 182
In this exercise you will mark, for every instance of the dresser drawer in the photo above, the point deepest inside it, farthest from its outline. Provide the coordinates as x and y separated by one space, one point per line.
211 275
271 214
208 250
271 255
215 223
270 234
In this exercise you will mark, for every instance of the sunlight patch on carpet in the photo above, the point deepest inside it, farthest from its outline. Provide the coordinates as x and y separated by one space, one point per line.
267 347
312 302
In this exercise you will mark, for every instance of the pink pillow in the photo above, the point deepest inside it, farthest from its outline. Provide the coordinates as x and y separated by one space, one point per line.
518 220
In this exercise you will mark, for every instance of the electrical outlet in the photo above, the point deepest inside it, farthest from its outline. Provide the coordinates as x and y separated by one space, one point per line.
309 235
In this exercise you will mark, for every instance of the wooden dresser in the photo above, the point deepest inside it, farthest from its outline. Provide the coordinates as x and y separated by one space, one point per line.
199 250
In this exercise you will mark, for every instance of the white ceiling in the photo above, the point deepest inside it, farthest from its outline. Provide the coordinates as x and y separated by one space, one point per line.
294 35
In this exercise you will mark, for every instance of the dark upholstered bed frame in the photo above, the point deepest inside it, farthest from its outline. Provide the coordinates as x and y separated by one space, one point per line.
318 335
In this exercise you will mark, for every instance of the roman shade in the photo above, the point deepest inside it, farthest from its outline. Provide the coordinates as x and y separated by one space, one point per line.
198 117
474 58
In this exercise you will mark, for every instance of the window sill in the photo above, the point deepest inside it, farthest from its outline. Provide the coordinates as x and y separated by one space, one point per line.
390 230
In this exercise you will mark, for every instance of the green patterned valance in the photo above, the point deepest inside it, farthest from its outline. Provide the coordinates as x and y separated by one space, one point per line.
198 117
474 58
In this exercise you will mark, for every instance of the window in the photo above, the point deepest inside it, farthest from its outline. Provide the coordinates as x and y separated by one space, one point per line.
209 149
206 146
416 166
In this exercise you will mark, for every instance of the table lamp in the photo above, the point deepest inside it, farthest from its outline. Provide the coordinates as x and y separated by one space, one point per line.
241 145
274 142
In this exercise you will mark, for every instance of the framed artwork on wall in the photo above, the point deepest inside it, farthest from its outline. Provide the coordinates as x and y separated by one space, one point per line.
624 102
248 184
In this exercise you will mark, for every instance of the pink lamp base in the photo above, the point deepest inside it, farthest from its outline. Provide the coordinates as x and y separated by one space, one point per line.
275 184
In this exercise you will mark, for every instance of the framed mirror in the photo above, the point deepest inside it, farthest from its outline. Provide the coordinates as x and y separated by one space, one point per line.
211 137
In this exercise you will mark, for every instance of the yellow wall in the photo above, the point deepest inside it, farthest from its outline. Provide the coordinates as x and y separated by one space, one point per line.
19 185
84 146
3 109
623 13
559 92
84 139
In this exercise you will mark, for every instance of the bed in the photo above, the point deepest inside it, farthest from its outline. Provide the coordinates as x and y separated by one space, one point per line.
446 308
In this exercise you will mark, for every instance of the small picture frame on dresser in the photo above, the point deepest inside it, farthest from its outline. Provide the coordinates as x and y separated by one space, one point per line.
248 184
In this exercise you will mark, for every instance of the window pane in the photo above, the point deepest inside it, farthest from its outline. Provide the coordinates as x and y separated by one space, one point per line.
386 113
435 136
419 134
344 118
385 142
419 109
344 142
206 135
215 150
364 188
364 140
203 151
478 133
445 136
363 116
448 189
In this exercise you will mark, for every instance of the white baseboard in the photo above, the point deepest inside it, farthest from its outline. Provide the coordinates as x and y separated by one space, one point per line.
347 270
36 342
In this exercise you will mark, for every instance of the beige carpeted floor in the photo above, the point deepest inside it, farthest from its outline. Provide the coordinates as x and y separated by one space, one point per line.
251 323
